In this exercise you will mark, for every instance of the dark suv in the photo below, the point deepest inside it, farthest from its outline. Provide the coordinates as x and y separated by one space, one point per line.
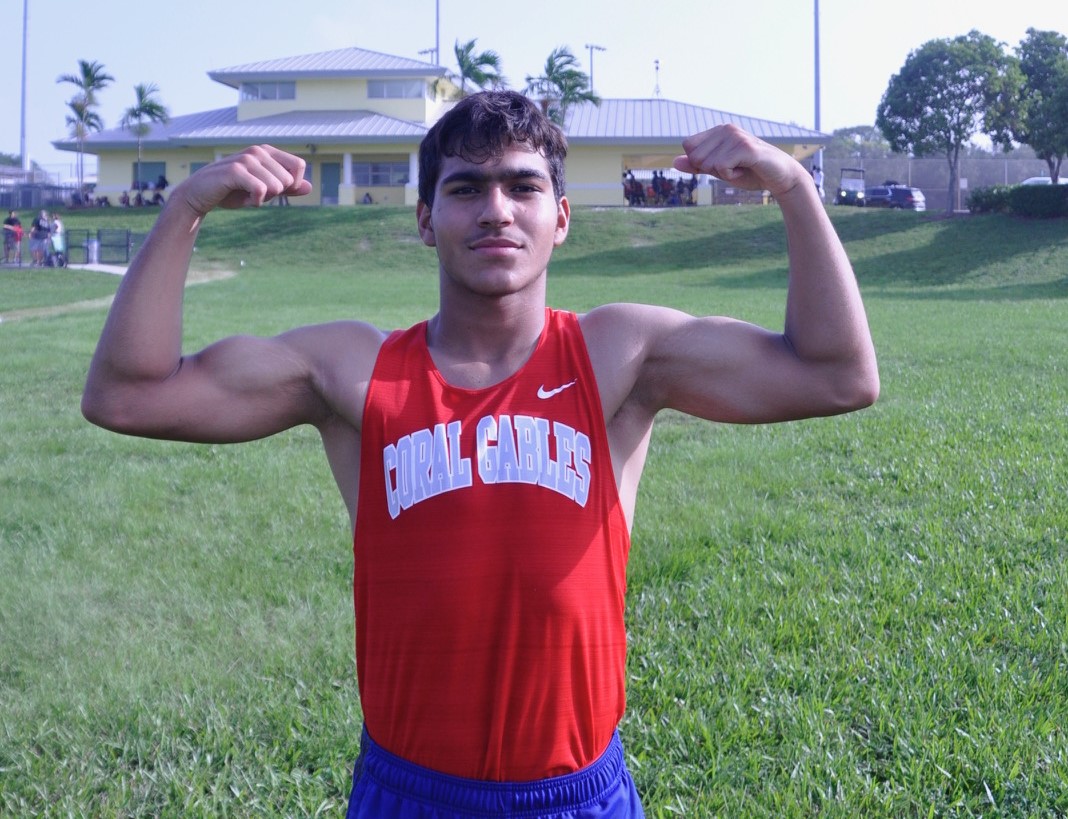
893 195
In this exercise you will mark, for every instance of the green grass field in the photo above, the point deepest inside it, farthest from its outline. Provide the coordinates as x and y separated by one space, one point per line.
857 616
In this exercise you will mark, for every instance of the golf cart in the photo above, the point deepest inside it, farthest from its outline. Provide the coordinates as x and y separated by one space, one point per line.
850 187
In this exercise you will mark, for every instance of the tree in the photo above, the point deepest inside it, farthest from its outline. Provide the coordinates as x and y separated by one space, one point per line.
140 117
859 142
947 92
1044 119
90 78
482 69
562 85
82 121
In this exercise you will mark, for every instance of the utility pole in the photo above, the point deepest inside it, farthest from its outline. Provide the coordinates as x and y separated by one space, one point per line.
816 27
593 48
22 128
435 52
816 43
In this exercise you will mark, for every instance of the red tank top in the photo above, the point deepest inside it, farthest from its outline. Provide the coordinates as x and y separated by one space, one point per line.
490 564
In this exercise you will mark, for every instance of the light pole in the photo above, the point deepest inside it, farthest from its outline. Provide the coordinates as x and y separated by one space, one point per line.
816 43
816 51
592 48
22 128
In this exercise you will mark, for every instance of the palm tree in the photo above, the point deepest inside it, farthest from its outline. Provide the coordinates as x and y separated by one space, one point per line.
482 69
561 85
90 78
82 120
139 117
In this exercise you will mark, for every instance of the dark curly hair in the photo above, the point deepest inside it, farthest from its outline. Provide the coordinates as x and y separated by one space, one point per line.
481 127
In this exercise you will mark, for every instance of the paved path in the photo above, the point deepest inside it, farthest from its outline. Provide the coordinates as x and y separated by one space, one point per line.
116 269
195 277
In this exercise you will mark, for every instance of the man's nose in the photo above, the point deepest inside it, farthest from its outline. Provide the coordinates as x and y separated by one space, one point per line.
496 207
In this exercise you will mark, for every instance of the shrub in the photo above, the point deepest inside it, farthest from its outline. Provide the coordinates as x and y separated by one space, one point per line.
994 199
1031 201
1039 201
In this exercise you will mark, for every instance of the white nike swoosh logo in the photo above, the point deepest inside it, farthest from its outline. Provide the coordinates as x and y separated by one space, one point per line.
544 393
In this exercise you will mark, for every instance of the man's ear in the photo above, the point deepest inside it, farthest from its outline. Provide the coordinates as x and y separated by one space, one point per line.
563 220
426 228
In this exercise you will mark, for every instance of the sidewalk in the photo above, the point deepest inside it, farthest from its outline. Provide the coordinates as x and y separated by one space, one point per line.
115 269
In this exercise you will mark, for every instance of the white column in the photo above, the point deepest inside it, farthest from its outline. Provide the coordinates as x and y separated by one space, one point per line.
346 191
411 190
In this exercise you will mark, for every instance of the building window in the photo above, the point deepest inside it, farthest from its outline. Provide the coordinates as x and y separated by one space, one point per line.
396 89
150 174
380 174
268 91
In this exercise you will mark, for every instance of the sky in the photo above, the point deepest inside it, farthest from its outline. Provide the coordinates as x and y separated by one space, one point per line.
751 57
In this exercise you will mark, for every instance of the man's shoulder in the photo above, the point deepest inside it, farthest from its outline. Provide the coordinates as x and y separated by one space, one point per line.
341 356
345 337
621 320
618 332
620 336
336 351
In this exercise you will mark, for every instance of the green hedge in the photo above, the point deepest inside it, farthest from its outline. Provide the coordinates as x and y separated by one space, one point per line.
1032 201
994 199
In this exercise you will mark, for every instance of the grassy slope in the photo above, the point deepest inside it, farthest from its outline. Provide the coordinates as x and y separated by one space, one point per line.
853 616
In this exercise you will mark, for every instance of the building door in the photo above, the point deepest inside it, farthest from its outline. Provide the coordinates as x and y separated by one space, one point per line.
330 173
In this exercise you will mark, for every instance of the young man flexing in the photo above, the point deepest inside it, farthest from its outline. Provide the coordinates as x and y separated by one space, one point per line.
490 456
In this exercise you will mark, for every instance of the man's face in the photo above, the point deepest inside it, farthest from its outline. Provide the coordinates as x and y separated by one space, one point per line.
494 223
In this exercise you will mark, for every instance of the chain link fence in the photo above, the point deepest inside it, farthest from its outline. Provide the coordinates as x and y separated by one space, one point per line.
109 246
931 175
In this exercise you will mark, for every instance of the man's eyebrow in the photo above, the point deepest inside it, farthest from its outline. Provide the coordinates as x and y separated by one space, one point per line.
504 174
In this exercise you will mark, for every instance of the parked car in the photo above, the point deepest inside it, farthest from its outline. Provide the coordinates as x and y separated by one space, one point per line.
850 187
1044 180
893 195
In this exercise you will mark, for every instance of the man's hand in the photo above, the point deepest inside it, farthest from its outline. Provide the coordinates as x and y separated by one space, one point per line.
731 154
246 179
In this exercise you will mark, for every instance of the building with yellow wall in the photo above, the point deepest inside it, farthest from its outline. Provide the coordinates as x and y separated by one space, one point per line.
357 118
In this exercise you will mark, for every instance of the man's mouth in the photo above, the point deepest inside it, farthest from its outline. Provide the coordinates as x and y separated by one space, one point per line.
494 243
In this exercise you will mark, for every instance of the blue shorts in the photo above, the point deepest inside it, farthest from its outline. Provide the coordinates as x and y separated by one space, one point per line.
385 786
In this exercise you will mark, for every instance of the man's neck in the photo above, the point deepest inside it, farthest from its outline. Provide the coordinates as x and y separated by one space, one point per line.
480 347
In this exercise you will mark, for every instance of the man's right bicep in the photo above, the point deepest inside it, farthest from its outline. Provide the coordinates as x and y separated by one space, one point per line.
237 389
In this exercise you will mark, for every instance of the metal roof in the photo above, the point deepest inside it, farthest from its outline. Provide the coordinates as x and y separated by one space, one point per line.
221 126
614 121
343 62
337 126
653 120
158 133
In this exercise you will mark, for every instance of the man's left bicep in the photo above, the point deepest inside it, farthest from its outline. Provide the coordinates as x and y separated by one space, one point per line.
727 370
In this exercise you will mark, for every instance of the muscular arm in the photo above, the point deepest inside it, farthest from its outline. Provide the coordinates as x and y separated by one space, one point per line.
649 358
822 363
239 388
